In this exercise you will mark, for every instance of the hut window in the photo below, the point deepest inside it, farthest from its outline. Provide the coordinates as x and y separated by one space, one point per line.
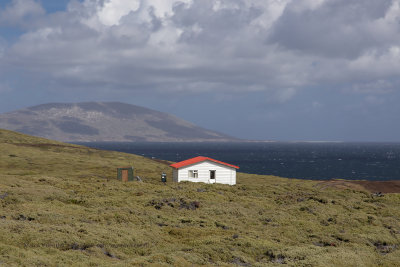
193 174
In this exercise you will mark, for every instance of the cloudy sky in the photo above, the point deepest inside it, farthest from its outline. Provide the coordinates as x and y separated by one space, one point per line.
255 69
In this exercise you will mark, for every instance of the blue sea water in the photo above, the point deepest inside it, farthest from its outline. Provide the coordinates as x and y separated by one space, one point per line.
304 160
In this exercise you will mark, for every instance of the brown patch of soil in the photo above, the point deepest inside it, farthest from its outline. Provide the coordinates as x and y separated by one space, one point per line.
380 186
371 186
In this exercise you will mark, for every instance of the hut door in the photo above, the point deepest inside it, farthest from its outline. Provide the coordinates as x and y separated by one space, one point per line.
212 177
124 175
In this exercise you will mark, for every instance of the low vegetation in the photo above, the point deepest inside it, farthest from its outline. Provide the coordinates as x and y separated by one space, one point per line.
61 205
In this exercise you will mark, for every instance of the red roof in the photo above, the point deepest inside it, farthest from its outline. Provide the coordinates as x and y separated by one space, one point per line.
199 159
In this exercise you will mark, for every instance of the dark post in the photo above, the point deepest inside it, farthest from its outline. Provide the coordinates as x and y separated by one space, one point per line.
164 177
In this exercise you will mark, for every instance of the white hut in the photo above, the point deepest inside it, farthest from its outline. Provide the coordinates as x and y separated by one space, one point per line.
206 170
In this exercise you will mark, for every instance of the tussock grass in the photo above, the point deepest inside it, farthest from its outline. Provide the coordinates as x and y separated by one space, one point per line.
61 205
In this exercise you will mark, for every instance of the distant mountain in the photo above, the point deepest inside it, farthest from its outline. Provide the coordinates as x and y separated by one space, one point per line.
105 121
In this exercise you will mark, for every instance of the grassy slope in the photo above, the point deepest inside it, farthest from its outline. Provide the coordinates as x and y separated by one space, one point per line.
60 205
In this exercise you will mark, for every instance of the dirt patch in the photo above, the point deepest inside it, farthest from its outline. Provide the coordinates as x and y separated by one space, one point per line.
174 203
41 145
380 186
371 186
384 248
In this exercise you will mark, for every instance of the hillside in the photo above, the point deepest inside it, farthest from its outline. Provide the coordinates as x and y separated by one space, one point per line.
105 121
62 206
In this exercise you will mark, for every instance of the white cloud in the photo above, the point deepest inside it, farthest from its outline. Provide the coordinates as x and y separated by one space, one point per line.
113 10
378 63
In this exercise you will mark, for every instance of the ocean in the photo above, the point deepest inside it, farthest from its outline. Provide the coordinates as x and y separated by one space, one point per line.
303 160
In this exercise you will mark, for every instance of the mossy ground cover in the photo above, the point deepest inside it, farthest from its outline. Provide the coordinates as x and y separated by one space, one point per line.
61 205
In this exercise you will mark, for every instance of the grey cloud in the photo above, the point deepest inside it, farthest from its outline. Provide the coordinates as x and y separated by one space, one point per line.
376 87
121 56
200 48
19 11
3 45
156 23
201 23
337 28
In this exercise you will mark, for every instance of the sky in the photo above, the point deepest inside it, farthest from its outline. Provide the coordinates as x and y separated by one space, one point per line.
312 70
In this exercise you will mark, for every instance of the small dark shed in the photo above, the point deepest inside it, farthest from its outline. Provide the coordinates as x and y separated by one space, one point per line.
125 174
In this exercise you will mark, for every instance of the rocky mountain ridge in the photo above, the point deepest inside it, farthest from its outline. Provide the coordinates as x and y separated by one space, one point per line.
105 121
